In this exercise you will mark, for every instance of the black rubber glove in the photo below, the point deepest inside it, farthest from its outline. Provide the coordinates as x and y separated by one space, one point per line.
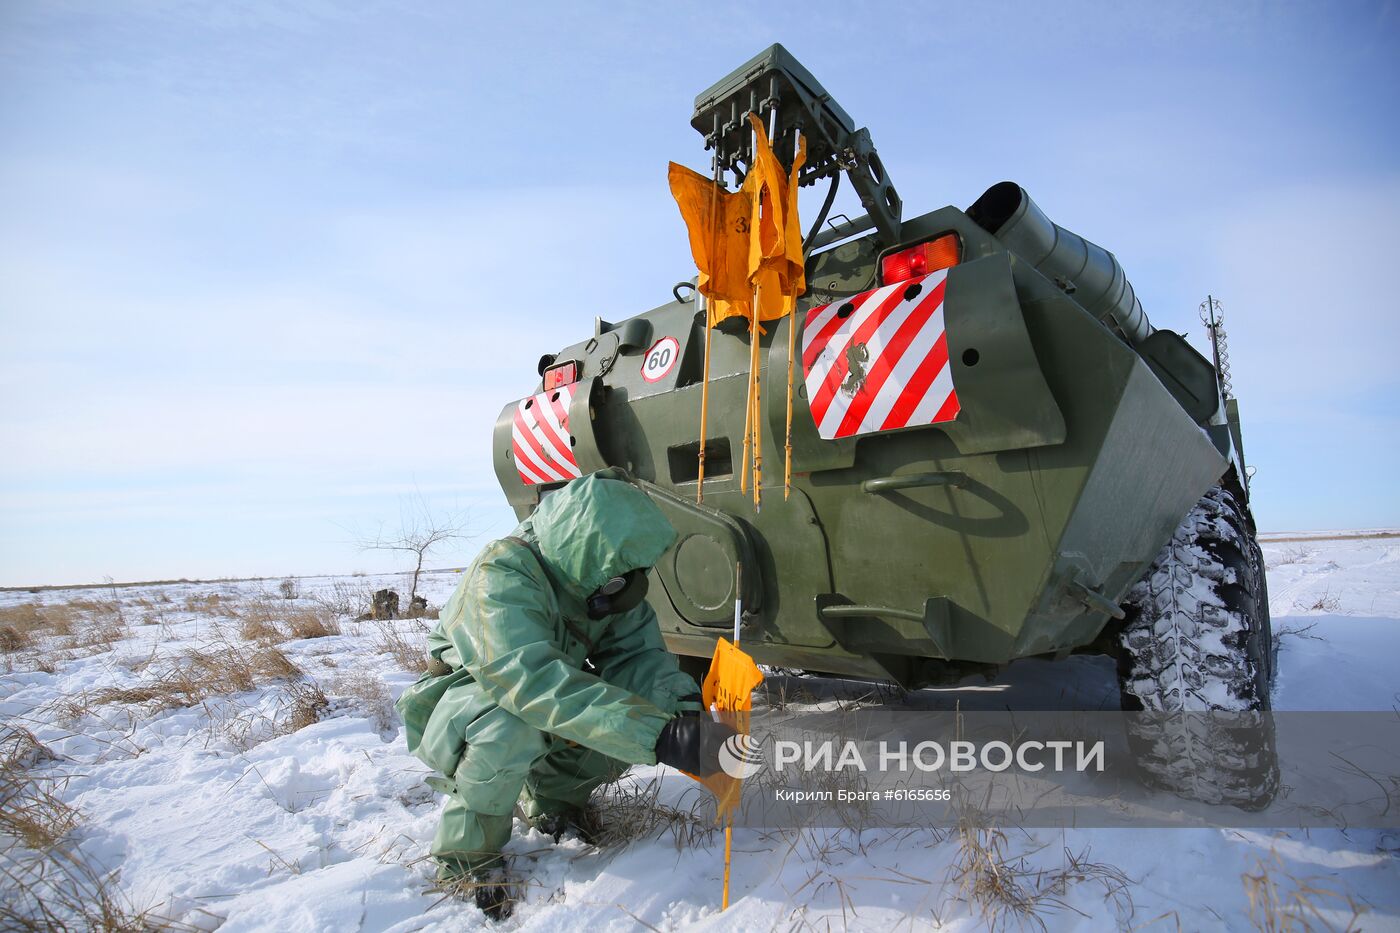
691 742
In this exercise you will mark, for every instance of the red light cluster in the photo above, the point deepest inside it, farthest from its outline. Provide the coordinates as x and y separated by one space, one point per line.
941 253
561 375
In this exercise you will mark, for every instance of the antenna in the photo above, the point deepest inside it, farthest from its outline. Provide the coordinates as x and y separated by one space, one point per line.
1213 317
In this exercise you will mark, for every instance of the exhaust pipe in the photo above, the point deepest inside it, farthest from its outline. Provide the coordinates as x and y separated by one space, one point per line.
1088 271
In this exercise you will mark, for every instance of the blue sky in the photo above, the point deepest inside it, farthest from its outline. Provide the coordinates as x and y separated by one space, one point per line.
267 270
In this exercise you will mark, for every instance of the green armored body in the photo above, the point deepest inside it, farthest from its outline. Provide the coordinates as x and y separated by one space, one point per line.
994 453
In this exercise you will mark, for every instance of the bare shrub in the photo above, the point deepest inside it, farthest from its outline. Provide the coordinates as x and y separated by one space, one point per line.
1325 602
1294 555
311 622
368 693
288 589
410 651
419 532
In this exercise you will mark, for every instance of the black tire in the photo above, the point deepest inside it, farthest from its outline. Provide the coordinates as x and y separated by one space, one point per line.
1196 660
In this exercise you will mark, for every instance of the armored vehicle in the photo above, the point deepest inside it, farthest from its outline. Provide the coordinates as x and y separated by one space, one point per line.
994 453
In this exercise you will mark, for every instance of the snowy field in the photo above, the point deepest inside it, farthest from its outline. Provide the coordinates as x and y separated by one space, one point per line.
226 756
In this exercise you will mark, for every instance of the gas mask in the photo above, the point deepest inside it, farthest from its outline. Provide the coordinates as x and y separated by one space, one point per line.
618 594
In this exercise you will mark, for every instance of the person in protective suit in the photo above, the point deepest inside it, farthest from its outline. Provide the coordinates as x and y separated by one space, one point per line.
549 677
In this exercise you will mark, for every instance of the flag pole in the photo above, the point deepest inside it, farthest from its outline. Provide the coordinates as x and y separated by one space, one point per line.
705 397
792 341
729 817
748 426
787 446
756 399
704 306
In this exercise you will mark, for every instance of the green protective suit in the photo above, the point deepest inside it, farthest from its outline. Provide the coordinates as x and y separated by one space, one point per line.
540 698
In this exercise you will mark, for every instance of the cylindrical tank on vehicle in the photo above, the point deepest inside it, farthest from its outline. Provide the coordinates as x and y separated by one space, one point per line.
1090 273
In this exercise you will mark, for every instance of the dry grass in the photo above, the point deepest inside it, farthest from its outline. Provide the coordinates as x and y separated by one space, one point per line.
368 693
261 630
345 600
1300 554
36 637
409 650
303 704
311 622
1280 902
236 667
1325 602
629 812
270 621
49 885
26 625
1007 890
196 676
30 810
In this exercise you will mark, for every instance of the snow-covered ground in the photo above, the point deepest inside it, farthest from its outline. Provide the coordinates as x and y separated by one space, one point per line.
220 787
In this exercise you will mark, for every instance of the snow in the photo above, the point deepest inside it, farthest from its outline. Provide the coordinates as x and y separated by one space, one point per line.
219 815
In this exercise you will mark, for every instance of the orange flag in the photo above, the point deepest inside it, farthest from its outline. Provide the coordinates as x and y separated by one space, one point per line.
747 240
728 691
717 221
775 266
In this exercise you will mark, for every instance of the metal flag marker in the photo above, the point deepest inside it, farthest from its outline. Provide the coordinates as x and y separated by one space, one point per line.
714 711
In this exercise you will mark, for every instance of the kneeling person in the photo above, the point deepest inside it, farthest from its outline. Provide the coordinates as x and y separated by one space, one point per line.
549 677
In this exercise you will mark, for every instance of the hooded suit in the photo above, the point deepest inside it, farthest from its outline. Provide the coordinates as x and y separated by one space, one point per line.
540 698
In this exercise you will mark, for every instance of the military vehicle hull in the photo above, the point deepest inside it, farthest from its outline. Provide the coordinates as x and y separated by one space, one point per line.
915 554
1007 533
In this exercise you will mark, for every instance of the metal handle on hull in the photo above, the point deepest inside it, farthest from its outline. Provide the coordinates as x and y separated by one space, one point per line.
857 612
892 483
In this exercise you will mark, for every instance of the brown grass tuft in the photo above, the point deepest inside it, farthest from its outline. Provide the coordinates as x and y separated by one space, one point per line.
311 622
238 668
303 704
630 811
197 676
1280 902
24 624
264 631
13 639
32 814
48 884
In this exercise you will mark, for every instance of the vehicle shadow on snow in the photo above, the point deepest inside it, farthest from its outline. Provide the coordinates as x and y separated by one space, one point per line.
1080 682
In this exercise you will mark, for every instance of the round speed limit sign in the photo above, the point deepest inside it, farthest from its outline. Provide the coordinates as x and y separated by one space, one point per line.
660 359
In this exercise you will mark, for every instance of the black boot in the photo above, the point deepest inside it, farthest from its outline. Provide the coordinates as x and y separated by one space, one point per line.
490 887
494 893
581 822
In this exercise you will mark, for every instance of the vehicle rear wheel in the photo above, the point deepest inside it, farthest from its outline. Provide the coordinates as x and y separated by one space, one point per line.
1197 640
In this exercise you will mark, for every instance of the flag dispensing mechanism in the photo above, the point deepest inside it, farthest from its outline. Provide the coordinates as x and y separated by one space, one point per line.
772 126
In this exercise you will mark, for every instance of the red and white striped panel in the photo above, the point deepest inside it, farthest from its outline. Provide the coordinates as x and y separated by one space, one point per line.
879 361
540 438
